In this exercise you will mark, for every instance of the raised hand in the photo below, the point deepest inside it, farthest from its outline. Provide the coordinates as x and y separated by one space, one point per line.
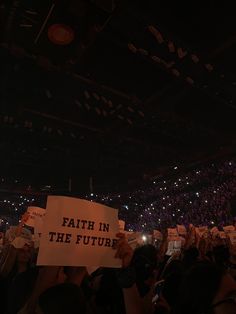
123 250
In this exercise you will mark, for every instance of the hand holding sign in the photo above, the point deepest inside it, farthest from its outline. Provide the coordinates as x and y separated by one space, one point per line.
24 218
78 233
124 251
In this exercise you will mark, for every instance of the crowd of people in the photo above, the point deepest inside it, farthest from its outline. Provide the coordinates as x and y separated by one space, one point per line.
197 278
200 196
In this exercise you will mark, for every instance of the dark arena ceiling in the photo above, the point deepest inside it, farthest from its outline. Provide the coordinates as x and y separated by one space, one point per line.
140 87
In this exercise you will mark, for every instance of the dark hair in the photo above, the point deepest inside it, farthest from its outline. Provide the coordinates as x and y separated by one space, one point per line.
144 262
65 298
190 257
221 255
172 275
198 288
109 294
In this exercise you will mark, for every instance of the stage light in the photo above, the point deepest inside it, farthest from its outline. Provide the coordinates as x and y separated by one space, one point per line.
60 34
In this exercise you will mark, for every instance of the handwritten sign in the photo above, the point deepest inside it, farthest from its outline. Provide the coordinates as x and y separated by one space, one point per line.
232 237
134 238
78 233
173 247
222 235
181 229
34 213
202 231
229 229
172 232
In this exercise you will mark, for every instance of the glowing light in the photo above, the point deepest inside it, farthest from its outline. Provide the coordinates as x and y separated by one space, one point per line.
144 238
60 34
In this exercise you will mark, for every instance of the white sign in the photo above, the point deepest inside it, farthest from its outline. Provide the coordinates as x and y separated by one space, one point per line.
222 235
181 229
228 229
202 231
232 237
34 213
173 247
78 233
172 232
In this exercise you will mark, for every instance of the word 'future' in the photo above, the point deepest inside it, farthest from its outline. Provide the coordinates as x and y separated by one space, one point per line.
61 237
